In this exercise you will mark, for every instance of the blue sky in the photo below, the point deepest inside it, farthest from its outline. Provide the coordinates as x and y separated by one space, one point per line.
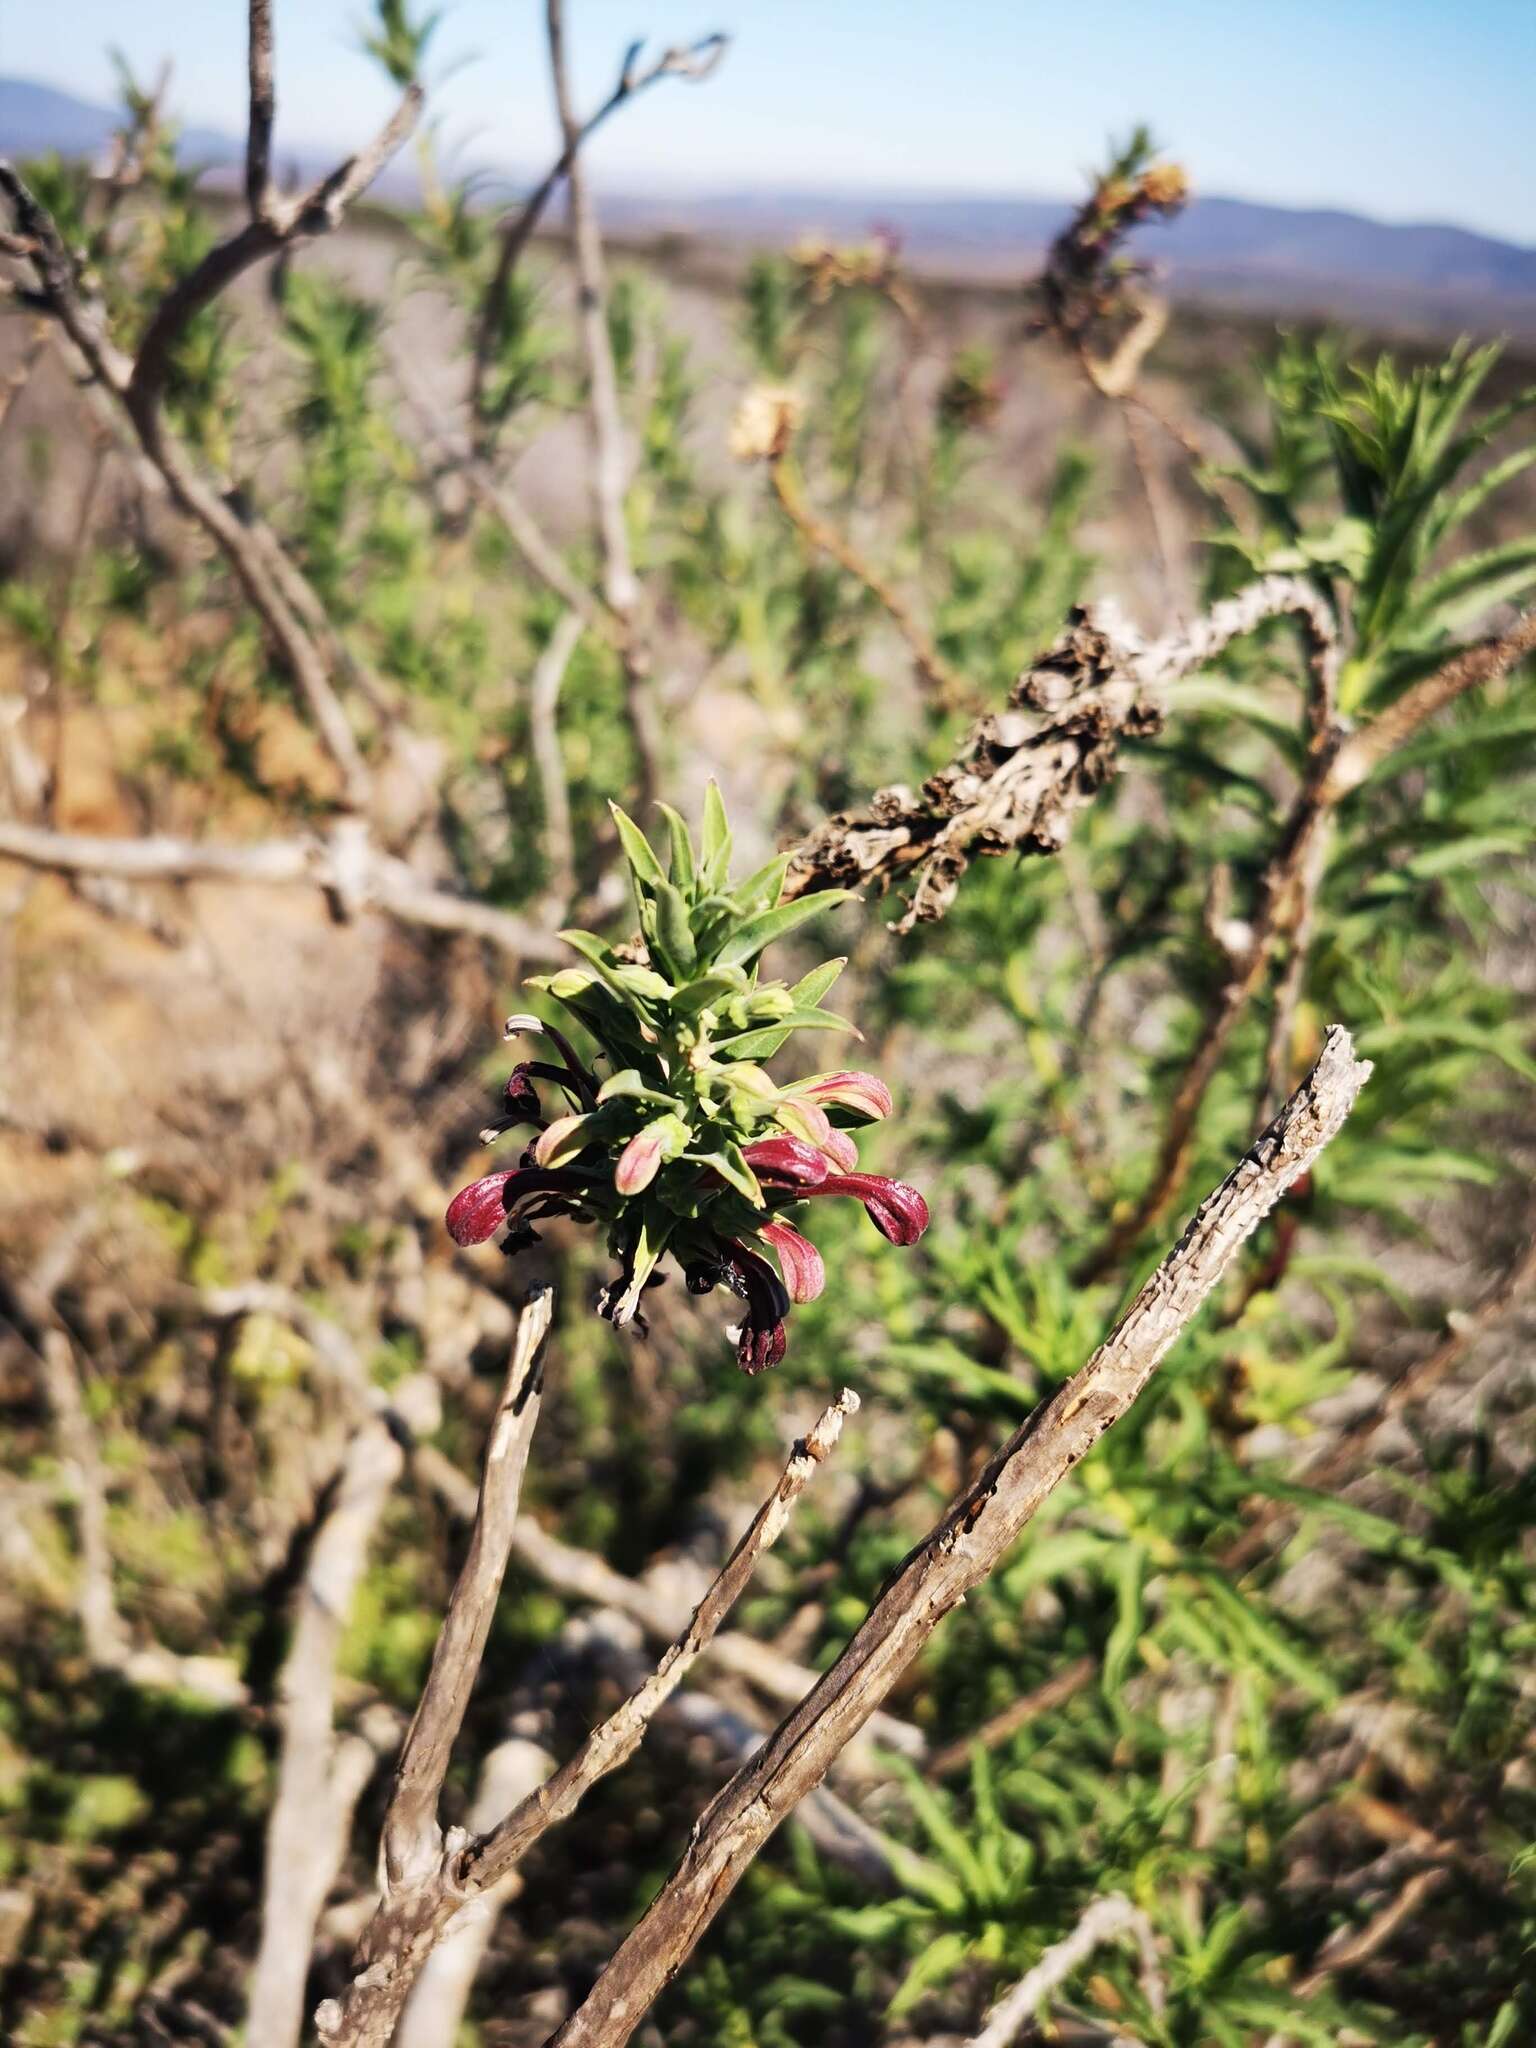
1407 109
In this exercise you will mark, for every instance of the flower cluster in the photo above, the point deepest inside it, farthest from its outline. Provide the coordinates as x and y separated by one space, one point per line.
673 1135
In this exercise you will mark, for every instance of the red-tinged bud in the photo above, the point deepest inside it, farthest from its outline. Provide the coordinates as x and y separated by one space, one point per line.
865 1093
639 1163
840 1149
788 1160
897 1211
799 1261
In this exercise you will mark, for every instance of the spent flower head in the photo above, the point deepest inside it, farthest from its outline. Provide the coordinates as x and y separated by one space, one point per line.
674 1137
765 422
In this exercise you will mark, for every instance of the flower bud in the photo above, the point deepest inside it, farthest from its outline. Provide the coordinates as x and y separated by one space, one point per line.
566 1137
865 1093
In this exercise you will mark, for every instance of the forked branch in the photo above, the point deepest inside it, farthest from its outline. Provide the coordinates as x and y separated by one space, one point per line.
424 1897
975 1534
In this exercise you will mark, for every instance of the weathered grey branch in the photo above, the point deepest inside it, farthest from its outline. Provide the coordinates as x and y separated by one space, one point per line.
420 1903
695 61
1026 771
973 1536
435 2009
610 464
620 1735
343 865
109 1642
413 1840
544 738
1107 1919
320 1779
579 1575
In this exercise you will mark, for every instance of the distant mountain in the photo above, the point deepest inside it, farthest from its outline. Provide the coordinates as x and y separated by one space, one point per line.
1272 258
35 119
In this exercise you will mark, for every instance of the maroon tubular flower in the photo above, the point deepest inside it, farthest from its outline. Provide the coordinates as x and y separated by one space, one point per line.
478 1211
787 1160
799 1261
896 1210
761 1342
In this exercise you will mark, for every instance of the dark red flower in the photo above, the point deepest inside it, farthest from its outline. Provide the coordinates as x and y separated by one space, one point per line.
897 1211
478 1211
789 1160
761 1341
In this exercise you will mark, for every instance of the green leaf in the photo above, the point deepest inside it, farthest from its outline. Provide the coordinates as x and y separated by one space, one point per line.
674 934
761 891
761 931
730 1163
680 864
714 839
760 1045
718 986
810 988
630 1085
592 949
637 848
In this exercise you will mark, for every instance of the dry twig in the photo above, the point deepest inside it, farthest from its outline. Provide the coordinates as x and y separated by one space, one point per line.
321 1778
423 1892
974 1535
348 870
1107 1919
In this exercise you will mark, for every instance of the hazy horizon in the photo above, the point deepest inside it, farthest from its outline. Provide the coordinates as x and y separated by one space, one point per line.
893 101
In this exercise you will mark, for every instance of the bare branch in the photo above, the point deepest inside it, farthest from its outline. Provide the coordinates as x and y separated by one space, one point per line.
139 384
435 2009
319 1779
108 1641
1106 1920
695 61
610 464
412 1837
415 1913
544 737
1363 753
976 1532
609 467
1338 762
621 1734
350 872
579 1575
263 106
